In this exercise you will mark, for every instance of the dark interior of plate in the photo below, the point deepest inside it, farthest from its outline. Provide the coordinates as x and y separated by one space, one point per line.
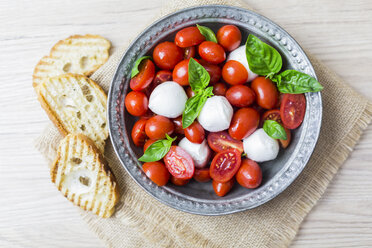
195 197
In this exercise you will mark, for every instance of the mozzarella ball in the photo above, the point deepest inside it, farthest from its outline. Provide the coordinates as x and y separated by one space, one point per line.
260 147
216 114
200 153
240 56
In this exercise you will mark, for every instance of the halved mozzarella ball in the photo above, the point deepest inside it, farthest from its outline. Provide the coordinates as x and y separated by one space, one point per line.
260 147
200 153
168 99
216 114
240 56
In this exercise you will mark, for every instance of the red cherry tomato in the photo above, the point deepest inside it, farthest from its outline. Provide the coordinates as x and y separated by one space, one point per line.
157 172
195 133
136 103
160 77
233 72
249 174
147 144
285 143
219 89
229 37
177 122
202 175
181 72
240 96
157 126
266 92
221 141
214 71
244 122
189 52
292 110
212 52
179 182
138 132
144 77
179 163
273 114
189 92
225 165
166 55
221 189
188 37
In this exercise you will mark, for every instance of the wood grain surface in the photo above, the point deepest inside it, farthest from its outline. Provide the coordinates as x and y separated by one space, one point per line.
34 214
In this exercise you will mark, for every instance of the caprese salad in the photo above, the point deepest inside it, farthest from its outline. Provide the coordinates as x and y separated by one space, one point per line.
211 109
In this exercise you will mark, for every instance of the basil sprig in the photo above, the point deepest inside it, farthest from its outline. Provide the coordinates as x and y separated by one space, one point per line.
157 150
274 130
295 82
207 33
135 69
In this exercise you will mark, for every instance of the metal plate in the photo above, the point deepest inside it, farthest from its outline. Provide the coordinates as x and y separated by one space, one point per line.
199 198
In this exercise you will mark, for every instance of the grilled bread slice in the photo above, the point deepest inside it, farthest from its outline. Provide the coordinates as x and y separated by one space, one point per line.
75 104
82 175
80 54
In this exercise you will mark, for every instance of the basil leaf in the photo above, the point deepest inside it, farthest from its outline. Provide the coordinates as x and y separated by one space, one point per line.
157 150
193 107
274 130
295 82
207 33
135 70
208 91
198 76
262 59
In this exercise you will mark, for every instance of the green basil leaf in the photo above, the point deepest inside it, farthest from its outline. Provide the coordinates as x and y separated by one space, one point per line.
157 150
295 82
262 59
135 69
207 33
198 76
193 107
274 130
208 91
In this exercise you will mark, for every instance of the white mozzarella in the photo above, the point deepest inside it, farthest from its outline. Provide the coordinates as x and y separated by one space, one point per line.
168 99
240 56
216 114
260 147
200 153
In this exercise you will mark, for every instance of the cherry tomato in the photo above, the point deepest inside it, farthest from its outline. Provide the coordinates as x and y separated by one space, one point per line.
189 92
285 143
240 96
221 189
179 182
202 175
179 163
214 71
244 122
157 126
219 89
292 110
181 73
221 141
136 103
266 92
212 52
273 114
233 72
138 132
157 172
225 165
189 52
147 144
195 133
166 55
160 77
249 174
144 77
229 37
188 37
177 122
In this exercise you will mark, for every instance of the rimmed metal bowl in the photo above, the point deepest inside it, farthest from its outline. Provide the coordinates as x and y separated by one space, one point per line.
199 198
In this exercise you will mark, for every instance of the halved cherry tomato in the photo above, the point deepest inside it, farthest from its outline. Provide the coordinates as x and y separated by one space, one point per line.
249 174
244 122
147 144
157 126
181 72
189 92
179 163
212 52
221 141
189 52
177 122
285 143
214 71
144 77
195 133
240 96
229 37
233 72
166 55
202 175
221 189
292 110
219 89
273 114
188 37
179 182
136 103
157 172
266 92
138 132
225 165
160 77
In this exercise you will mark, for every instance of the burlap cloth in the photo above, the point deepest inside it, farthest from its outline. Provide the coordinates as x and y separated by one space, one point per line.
142 221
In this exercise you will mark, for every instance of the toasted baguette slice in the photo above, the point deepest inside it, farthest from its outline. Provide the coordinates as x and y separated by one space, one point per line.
75 104
80 54
82 175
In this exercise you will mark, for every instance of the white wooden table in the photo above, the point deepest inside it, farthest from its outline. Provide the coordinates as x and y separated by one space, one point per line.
34 214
